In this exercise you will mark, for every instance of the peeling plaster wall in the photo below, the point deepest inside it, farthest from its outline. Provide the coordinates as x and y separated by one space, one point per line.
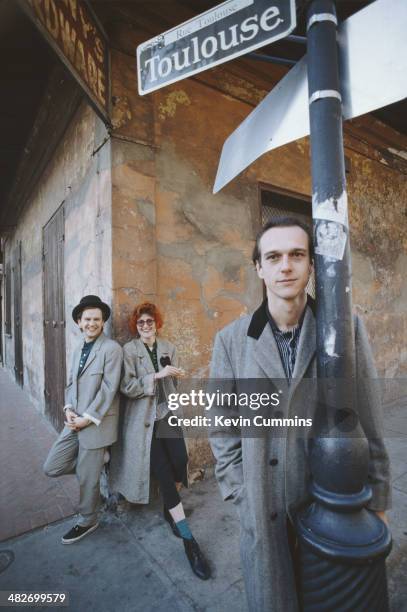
378 218
81 181
133 230
188 250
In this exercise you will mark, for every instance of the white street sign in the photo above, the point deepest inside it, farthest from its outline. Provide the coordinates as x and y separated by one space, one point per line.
232 28
373 74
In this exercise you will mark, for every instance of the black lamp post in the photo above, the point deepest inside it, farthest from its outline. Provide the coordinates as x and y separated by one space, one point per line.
343 546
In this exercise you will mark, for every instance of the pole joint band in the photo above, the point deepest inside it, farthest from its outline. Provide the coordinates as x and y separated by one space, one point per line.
325 93
321 17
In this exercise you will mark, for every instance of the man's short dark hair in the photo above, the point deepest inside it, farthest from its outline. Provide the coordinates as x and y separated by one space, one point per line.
282 222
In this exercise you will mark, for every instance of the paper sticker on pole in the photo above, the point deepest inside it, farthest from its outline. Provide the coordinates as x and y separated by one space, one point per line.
332 209
233 28
373 74
330 239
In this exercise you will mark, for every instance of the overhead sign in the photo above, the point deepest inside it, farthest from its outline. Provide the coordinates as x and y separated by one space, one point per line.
220 34
373 74
73 31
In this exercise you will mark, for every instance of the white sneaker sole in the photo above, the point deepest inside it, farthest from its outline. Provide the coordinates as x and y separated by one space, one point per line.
73 541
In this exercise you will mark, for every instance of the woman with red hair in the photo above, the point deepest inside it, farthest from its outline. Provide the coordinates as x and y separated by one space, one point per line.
147 443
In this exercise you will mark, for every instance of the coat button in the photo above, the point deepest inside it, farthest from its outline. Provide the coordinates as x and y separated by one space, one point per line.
146 424
273 516
273 461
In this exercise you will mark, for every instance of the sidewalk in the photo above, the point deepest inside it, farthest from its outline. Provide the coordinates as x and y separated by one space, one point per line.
29 499
133 562
395 424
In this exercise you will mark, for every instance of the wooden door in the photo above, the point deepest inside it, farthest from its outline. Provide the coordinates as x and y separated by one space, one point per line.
54 318
18 335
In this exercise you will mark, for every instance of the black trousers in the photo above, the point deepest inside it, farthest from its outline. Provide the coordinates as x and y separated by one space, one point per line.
168 460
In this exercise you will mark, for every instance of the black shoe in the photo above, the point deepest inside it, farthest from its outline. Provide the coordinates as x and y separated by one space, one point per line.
199 564
77 533
171 522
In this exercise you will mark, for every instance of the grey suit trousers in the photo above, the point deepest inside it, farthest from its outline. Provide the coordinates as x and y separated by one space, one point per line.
67 456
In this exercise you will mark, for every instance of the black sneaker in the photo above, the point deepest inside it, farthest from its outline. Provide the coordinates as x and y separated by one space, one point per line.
197 561
77 533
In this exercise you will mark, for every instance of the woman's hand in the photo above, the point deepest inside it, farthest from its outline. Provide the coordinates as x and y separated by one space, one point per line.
169 370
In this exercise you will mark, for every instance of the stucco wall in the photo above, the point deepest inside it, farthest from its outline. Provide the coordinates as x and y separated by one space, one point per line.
191 249
378 220
80 180
188 250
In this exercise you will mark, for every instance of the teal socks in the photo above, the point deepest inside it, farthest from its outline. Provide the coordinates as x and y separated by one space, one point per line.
184 529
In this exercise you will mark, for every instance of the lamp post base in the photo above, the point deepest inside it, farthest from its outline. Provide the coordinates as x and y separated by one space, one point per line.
328 586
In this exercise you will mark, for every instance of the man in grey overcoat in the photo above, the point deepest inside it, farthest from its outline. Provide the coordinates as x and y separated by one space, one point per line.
267 476
91 412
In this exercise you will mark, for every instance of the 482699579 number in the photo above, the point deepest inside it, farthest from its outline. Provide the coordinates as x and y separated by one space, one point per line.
33 598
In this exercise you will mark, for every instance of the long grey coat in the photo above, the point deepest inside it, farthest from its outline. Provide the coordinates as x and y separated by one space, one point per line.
95 392
265 493
130 460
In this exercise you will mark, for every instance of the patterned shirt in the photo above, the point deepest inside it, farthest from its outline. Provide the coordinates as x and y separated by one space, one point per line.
86 349
162 408
153 355
287 342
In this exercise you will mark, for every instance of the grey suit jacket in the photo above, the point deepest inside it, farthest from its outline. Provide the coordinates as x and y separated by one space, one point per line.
246 349
267 477
95 391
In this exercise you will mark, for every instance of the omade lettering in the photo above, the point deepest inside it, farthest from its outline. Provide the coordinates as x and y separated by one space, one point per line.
70 26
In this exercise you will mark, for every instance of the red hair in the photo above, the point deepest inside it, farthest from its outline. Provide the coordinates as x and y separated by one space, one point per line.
145 308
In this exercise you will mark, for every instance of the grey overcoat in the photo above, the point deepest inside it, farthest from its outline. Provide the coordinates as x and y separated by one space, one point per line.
94 392
267 477
130 458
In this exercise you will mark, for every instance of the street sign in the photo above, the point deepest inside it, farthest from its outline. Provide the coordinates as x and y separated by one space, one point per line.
229 30
373 74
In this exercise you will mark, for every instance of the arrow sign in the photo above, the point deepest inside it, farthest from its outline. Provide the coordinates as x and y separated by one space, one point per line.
231 29
373 74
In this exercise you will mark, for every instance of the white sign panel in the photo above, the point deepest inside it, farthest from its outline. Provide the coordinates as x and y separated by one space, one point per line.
373 74
232 28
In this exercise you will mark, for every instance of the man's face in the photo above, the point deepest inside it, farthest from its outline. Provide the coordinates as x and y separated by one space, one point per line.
285 264
91 323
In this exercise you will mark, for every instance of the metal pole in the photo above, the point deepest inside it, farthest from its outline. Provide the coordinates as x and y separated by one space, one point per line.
342 545
271 58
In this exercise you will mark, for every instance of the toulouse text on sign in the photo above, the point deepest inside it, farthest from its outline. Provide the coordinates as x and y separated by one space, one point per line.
231 29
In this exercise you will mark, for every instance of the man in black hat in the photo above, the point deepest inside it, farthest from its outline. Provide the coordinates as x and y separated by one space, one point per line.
91 411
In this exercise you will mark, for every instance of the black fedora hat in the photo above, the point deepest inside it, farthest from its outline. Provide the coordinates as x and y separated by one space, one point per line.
90 301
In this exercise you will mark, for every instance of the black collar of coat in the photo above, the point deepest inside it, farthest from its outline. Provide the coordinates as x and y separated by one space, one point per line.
260 318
